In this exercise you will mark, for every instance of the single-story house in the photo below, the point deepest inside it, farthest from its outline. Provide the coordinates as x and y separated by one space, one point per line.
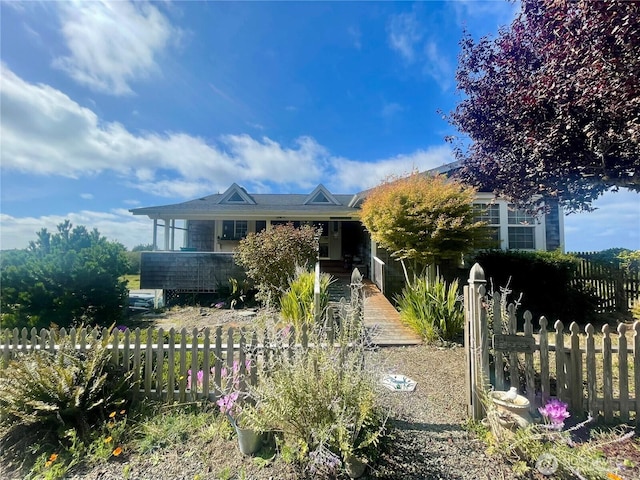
213 225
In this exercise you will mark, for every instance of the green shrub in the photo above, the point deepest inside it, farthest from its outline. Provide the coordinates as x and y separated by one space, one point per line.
70 277
44 395
546 281
432 308
323 403
270 257
297 305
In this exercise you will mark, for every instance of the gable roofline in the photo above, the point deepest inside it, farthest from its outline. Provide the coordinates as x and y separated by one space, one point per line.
236 191
446 168
320 192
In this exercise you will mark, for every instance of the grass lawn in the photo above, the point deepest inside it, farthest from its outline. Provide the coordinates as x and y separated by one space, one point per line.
133 281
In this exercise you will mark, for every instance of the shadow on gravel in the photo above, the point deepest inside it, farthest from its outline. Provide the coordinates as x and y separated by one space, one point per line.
404 425
424 451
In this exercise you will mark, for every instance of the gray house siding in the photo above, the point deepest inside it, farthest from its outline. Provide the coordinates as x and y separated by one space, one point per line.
188 271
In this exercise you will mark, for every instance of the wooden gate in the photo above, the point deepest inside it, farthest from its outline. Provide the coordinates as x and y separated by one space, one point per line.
597 373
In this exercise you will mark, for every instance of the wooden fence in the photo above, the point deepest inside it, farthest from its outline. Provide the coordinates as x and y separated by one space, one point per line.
162 367
598 376
161 360
163 363
616 289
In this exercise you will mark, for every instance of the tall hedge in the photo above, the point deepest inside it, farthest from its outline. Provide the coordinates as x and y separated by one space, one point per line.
544 278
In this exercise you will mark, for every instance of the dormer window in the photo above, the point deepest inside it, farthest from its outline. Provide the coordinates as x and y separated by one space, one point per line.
236 195
236 198
321 196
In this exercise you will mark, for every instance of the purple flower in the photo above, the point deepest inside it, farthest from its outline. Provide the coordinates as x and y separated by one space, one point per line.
555 412
228 404
200 377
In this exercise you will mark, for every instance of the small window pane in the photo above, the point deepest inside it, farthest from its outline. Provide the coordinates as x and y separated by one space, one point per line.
227 229
522 238
494 234
261 225
488 213
519 217
241 229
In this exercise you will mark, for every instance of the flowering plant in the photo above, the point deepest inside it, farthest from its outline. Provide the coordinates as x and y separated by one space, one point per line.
231 384
199 379
555 413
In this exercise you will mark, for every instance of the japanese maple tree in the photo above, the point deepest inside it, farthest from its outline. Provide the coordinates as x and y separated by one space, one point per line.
423 219
552 104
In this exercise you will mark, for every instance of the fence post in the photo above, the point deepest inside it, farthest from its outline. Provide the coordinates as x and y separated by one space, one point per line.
476 341
575 359
357 294
317 314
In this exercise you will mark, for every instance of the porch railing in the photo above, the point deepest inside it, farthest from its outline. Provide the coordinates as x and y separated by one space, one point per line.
378 273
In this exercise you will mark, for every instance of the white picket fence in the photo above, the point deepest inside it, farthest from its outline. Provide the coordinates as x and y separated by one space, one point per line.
161 367
598 377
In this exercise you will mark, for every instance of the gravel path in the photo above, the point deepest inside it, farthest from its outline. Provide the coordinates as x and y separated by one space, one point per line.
430 441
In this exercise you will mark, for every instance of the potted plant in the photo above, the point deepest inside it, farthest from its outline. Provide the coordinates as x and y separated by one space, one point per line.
230 403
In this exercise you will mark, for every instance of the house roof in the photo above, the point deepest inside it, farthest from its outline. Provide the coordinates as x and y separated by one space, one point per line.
237 203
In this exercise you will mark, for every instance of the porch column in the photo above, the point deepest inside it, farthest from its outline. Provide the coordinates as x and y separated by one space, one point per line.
173 234
166 234
155 234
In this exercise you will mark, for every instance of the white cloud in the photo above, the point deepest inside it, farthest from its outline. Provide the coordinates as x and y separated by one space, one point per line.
404 35
469 11
353 176
118 225
438 66
112 44
86 196
45 132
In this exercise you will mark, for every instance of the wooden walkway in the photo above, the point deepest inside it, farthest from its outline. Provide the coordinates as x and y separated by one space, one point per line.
382 320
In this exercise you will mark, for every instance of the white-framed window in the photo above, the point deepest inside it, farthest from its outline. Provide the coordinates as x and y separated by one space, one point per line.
490 214
522 229
234 229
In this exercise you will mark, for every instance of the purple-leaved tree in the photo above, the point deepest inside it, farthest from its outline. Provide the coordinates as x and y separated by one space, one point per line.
552 104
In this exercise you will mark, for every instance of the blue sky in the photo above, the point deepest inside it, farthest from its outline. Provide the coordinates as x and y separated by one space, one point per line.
110 106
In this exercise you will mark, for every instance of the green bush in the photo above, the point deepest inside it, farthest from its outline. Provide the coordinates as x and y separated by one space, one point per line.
322 402
433 309
66 278
270 257
297 305
45 395
546 281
